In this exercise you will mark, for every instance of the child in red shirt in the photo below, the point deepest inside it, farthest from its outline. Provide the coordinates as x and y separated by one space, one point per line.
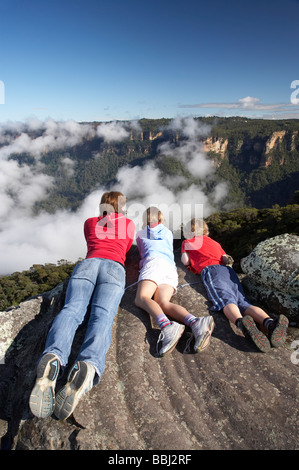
205 256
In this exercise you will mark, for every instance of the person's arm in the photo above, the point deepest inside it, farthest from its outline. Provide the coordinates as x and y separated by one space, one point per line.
227 260
185 259
130 233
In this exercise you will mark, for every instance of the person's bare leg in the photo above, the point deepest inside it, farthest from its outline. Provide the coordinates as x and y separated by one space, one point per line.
145 291
247 324
257 314
202 327
232 312
170 331
162 296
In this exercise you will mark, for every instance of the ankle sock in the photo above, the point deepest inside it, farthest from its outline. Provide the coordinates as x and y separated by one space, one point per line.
190 319
162 320
267 322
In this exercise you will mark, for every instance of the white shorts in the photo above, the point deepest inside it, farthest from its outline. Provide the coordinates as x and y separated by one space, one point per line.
160 272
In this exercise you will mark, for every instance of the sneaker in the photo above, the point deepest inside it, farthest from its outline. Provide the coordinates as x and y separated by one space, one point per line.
80 381
42 398
251 331
169 337
277 331
202 331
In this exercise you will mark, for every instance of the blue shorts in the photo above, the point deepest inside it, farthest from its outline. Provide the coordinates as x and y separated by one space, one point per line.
223 287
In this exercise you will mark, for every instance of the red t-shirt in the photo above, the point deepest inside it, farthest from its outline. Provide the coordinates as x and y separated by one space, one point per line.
203 251
109 237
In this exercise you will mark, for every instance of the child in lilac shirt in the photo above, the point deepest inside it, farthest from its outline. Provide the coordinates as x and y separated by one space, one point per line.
157 283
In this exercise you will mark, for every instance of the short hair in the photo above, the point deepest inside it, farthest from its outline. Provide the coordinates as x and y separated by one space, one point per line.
196 228
153 215
112 201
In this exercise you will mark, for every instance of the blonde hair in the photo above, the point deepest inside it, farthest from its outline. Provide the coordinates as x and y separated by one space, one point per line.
196 228
153 215
112 201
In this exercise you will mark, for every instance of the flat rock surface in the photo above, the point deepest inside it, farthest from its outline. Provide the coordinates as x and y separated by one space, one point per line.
230 397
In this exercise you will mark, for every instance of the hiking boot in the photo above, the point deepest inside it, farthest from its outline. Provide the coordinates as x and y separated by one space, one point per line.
42 398
169 337
80 381
202 331
251 331
277 331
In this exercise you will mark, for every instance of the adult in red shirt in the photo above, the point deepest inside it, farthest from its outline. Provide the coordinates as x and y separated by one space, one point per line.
204 255
98 280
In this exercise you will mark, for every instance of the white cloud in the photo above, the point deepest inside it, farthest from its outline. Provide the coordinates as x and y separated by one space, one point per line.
249 103
26 239
112 131
146 185
68 166
190 151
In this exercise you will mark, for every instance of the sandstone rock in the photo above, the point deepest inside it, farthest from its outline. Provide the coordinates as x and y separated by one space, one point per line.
229 397
272 275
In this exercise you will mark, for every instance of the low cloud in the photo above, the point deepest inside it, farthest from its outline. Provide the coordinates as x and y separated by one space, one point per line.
115 131
147 185
27 239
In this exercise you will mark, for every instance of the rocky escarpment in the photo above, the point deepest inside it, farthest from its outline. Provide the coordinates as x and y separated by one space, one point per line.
229 397
258 148
254 152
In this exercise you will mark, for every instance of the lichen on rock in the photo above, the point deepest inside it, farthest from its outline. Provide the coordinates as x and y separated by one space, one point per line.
272 274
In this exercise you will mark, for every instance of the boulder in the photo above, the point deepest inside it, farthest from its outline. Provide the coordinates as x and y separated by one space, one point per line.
229 397
272 275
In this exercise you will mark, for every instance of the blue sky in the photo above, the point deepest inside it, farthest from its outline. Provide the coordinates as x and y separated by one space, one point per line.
103 60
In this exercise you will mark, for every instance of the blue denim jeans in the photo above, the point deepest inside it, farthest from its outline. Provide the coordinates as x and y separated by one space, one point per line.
99 282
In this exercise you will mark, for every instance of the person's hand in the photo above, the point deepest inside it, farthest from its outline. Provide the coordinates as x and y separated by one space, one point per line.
227 260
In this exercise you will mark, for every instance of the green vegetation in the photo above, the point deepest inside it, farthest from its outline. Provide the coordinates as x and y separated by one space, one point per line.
19 286
238 231
259 176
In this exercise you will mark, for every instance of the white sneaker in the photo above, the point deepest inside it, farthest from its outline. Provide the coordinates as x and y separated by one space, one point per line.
169 337
80 381
201 331
42 398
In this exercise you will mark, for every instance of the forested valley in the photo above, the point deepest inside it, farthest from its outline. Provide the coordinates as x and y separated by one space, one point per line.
258 160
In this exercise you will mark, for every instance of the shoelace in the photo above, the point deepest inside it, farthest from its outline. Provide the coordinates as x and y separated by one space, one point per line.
188 343
161 337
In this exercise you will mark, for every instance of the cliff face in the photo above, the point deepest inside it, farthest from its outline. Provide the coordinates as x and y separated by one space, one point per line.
249 155
216 145
241 149
259 150
229 397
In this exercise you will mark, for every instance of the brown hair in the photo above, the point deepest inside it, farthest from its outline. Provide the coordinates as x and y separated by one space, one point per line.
112 201
195 228
153 215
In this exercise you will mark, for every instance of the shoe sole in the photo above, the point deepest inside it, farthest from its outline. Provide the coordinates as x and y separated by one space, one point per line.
68 397
258 338
180 331
42 398
206 339
278 336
